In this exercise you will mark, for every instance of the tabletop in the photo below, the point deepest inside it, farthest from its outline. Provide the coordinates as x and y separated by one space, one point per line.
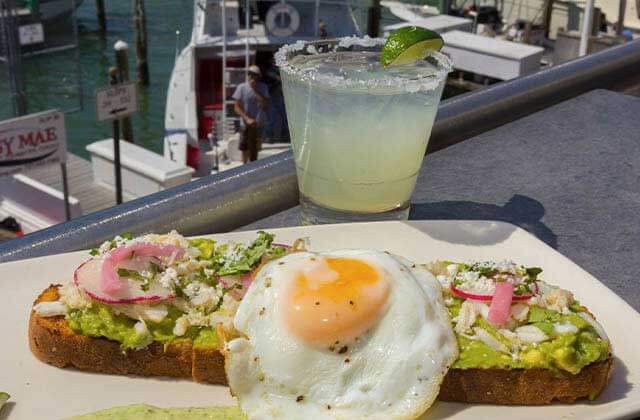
569 174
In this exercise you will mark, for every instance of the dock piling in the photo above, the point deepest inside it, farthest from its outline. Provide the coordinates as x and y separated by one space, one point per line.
102 19
122 61
140 25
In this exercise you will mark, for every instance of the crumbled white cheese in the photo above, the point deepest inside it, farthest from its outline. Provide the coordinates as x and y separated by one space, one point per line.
557 299
73 297
46 309
168 278
466 317
519 312
182 324
531 334
141 328
444 281
191 318
142 311
565 327
452 270
192 289
206 297
193 252
484 336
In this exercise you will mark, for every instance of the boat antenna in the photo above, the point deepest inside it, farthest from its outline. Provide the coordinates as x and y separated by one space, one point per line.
177 43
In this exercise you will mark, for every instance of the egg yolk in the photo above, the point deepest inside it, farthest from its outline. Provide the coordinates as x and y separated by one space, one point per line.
335 301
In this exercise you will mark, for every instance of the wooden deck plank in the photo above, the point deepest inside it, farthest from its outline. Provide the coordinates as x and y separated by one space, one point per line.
92 196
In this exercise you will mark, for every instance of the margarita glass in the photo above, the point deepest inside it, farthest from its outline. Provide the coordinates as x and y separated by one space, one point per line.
359 130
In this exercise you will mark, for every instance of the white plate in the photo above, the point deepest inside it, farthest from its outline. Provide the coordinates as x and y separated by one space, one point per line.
42 391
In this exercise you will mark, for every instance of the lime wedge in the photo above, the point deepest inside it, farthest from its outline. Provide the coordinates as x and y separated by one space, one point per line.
408 45
4 397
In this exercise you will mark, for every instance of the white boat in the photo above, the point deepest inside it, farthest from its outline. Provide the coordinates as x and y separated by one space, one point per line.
200 125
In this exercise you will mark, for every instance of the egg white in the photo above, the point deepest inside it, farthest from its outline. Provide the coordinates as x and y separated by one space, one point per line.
393 371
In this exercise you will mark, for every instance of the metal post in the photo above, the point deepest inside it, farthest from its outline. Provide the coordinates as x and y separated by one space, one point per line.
65 190
373 24
587 24
546 21
8 9
113 75
74 22
247 16
622 8
102 20
224 67
122 62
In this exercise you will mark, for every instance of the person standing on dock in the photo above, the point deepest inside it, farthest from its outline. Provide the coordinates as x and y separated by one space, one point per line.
251 103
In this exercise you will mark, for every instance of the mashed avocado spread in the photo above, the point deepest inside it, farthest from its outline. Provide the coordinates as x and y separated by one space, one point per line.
149 412
570 351
100 321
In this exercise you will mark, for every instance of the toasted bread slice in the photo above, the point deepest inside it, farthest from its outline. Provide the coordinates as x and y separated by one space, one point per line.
53 341
524 386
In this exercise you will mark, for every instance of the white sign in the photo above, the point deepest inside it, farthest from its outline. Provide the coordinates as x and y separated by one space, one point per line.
116 101
31 34
32 140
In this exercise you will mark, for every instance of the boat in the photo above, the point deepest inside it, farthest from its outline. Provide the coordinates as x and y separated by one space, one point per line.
47 12
227 36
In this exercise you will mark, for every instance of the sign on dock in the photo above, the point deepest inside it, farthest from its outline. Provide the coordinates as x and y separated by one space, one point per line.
31 34
116 101
32 140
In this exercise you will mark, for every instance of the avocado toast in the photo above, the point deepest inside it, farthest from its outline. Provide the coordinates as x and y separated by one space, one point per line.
148 306
522 341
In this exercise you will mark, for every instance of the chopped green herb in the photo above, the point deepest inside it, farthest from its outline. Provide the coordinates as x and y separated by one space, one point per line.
127 235
4 397
532 272
94 252
131 274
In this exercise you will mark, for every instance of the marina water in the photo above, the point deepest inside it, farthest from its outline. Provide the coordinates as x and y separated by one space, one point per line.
50 79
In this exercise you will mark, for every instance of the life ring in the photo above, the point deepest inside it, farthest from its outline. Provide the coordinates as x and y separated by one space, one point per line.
282 20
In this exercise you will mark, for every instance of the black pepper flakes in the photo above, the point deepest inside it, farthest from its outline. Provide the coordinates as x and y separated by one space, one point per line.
347 360
280 263
255 359
300 398
262 311
351 303
328 407
317 303
343 349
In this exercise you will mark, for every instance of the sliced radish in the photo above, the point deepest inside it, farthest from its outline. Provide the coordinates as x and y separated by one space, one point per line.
475 296
111 282
231 282
89 278
500 307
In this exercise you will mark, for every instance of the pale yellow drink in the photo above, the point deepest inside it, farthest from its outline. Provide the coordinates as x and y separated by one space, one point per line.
359 131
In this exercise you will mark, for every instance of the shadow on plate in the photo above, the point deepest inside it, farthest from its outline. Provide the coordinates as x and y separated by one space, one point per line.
520 210
444 410
5 411
618 385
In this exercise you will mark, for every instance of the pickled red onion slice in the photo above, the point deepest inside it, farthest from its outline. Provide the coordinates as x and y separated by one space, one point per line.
244 280
500 307
111 281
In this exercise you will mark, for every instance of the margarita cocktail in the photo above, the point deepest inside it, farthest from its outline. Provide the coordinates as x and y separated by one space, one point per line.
359 130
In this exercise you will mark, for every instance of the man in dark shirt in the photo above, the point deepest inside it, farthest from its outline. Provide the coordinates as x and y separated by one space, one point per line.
251 105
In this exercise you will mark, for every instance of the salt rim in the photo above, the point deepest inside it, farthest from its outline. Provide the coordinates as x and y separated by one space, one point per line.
444 66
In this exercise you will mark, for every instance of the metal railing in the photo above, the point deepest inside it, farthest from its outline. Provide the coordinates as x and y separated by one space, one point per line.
234 198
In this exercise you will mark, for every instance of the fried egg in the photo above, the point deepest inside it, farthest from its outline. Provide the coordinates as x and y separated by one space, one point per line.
340 335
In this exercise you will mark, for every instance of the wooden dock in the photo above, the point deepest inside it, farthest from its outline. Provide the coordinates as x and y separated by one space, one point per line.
92 196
